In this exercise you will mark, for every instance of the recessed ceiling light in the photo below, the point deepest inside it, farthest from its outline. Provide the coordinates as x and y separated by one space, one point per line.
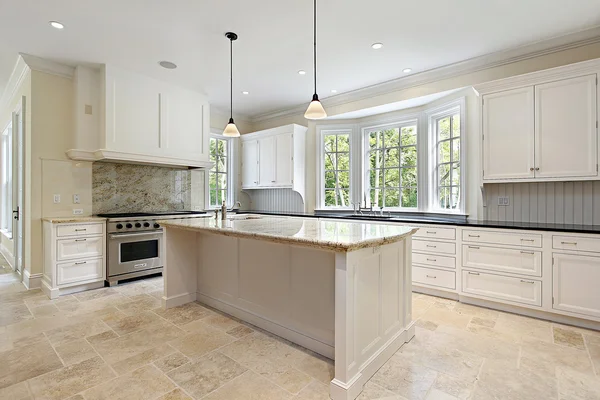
167 64
56 24
407 70
302 72
333 91
244 92
377 46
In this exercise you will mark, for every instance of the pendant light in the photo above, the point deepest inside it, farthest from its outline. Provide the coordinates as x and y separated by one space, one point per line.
315 109
231 130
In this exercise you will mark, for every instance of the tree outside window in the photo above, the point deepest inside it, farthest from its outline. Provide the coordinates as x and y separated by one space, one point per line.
447 135
217 176
336 155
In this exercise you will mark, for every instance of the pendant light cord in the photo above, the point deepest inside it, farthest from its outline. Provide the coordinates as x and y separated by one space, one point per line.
231 77
315 43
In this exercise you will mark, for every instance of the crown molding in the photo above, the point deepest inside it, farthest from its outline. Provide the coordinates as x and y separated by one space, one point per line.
18 75
47 66
537 49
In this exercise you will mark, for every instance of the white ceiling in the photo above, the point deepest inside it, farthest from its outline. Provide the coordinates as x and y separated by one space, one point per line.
276 39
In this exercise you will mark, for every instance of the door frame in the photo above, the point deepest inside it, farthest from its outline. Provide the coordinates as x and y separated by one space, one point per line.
18 145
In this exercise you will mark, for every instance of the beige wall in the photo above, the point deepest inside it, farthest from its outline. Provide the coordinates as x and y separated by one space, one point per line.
474 200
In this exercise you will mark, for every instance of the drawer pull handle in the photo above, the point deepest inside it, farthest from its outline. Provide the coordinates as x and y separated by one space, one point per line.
431 246
474 247
80 230
570 243
527 252
475 236
432 259
431 232
473 273
80 240
431 276
530 282
527 240
81 262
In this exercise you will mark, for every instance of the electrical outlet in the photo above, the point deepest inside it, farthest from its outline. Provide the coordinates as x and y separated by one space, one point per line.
78 211
56 198
503 201
76 199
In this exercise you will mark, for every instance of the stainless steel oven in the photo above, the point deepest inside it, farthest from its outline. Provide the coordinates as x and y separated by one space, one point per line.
134 252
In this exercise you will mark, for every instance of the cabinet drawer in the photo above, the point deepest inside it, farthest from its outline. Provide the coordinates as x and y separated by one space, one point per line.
79 230
576 243
434 277
79 271
436 233
434 260
509 238
434 247
525 262
500 287
87 247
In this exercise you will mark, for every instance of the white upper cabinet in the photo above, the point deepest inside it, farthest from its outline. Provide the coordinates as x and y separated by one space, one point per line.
274 158
139 119
508 134
565 128
541 126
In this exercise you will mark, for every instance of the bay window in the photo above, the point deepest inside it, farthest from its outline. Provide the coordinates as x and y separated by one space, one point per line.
335 171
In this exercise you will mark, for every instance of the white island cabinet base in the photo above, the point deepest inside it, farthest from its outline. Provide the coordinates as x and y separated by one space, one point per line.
352 306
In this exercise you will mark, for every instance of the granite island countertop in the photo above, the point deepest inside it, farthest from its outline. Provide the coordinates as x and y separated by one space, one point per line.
312 232
73 219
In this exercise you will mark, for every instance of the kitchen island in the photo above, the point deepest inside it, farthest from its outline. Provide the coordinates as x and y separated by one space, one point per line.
339 288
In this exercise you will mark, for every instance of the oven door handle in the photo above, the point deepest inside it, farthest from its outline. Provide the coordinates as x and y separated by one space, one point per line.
128 235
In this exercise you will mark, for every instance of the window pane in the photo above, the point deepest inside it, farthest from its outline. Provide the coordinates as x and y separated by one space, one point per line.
221 148
330 198
212 180
222 181
409 197
392 198
213 197
392 158
409 177
376 197
222 164
455 198
329 161
443 197
375 159
391 137
375 139
444 175
456 125
392 177
456 174
444 152
329 179
344 180
409 156
443 128
213 148
343 197
343 143
376 178
409 136
329 143
456 150
343 161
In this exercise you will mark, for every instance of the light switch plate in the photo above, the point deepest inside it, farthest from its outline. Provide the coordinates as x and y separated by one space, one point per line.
76 199
78 211
503 201
56 198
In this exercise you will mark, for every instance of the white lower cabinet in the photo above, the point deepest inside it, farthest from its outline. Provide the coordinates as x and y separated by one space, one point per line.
434 277
518 290
575 284
516 261
74 256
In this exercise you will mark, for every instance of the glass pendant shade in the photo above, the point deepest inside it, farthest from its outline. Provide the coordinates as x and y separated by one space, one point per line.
231 130
315 109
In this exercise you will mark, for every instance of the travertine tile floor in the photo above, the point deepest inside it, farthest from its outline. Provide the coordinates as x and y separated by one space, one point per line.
117 343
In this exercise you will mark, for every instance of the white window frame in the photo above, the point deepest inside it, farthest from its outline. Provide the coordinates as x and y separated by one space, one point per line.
232 144
433 115
408 120
320 190
7 180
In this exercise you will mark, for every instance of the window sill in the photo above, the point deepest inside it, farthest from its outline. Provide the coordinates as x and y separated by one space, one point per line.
6 233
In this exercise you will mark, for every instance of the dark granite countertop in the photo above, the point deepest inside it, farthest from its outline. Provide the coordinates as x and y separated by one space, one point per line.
532 226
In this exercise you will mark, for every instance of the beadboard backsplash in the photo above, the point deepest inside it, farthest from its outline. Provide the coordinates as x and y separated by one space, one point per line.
278 200
118 188
549 202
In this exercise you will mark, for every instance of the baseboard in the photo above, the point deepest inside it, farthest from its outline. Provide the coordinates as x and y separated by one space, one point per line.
8 256
32 281
435 292
351 390
52 293
178 300
281 331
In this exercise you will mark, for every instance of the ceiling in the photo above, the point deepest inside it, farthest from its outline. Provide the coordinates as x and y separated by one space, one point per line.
276 39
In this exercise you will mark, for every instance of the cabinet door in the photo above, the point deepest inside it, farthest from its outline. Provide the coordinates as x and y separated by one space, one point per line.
283 159
508 134
576 284
266 157
250 163
565 131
